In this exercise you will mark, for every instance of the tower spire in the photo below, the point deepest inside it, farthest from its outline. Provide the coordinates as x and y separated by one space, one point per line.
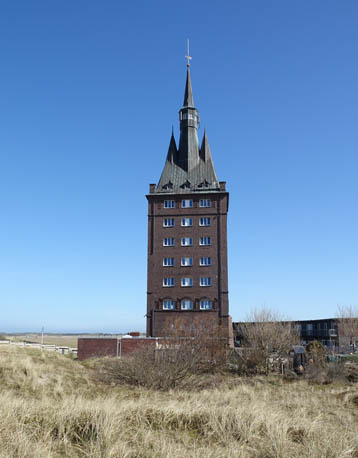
188 96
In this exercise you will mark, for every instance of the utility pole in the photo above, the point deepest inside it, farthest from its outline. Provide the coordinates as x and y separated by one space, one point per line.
42 337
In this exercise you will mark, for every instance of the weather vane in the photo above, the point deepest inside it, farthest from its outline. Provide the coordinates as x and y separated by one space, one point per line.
188 57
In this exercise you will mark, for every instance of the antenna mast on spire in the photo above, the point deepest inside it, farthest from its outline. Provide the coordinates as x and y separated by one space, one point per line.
188 57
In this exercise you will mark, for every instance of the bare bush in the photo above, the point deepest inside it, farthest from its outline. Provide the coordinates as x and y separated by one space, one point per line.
268 340
316 354
184 353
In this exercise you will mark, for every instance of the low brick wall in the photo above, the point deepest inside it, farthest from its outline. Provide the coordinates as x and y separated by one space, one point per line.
128 345
97 347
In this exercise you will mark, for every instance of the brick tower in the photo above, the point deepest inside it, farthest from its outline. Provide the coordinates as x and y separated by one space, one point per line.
187 234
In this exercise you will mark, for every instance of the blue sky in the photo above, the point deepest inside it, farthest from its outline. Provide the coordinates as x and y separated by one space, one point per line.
89 92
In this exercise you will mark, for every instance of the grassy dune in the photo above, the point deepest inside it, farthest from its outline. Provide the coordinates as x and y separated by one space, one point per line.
51 406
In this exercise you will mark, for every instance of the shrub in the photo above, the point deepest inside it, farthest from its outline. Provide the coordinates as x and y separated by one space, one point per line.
174 362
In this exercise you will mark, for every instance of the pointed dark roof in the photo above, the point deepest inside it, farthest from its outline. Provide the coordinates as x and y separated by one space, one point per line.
172 150
188 168
202 177
188 96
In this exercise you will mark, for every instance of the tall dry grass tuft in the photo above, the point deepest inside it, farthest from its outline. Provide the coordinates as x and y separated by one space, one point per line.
56 410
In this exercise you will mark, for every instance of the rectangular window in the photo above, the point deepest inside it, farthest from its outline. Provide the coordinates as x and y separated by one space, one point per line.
205 203
168 262
168 222
168 241
186 304
185 262
205 261
169 204
187 282
186 241
205 281
309 329
168 282
186 203
204 222
168 304
205 304
205 241
186 222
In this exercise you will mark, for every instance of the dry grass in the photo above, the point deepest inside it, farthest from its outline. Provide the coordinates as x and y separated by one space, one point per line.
51 407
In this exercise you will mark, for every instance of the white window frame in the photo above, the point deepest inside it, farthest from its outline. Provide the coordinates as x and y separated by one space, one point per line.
205 203
168 220
168 262
206 304
184 203
168 304
205 221
184 220
167 283
208 263
166 239
169 204
186 304
185 264
184 239
186 282
205 281
202 241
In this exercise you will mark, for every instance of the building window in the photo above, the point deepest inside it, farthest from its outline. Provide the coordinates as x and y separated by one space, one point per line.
185 222
168 304
168 282
168 262
168 241
169 204
205 281
185 282
168 222
186 203
309 328
186 304
205 261
204 203
205 304
186 241
205 222
185 262
205 241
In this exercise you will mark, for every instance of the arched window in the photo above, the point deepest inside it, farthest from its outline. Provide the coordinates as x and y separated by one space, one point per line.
206 304
168 304
186 304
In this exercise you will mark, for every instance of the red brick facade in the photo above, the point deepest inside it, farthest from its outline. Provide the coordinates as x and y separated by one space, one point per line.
96 347
157 318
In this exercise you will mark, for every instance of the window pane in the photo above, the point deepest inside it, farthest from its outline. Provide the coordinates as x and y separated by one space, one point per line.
169 204
186 261
205 261
168 304
205 203
204 222
187 282
186 304
187 222
168 222
206 304
186 203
